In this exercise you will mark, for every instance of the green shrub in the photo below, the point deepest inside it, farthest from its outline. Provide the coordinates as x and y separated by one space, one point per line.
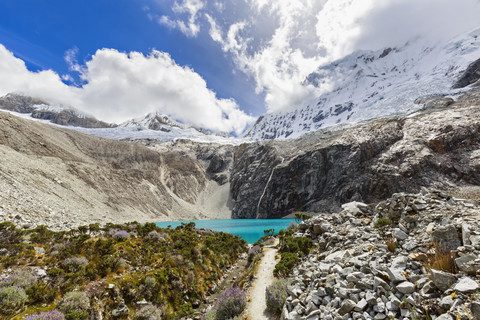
41 293
185 309
287 262
275 295
75 264
382 223
12 299
300 216
75 305
41 234
9 234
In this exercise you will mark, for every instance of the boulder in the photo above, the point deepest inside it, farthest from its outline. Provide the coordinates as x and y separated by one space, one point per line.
442 280
466 284
446 236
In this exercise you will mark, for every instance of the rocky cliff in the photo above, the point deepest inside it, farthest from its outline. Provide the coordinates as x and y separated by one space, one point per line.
318 172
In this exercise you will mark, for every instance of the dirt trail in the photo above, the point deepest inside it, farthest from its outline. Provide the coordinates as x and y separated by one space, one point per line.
257 307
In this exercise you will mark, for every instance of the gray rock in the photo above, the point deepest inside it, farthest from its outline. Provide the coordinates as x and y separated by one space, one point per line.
446 236
406 287
39 251
121 310
475 310
466 285
442 280
446 302
41 273
361 305
399 234
347 306
466 234
396 275
445 316
465 263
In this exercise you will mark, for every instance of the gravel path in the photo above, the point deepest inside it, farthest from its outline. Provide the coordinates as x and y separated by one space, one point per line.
257 307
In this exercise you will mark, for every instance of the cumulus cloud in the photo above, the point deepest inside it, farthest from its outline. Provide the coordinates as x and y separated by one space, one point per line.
118 86
303 35
190 27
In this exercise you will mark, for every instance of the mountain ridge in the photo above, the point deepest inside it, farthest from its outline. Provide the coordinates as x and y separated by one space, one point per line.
372 84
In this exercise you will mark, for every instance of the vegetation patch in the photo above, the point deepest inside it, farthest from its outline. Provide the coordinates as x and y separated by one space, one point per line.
290 250
90 270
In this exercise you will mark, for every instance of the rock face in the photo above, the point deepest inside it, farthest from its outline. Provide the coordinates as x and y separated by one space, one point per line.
320 171
470 76
351 273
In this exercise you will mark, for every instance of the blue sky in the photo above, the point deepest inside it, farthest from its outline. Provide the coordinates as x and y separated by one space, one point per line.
217 64
41 31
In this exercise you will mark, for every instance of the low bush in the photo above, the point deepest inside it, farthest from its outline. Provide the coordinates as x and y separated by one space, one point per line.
382 223
121 235
75 264
231 303
12 299
75 305
288 261
276 294
148 312
300 216
23 279
50 315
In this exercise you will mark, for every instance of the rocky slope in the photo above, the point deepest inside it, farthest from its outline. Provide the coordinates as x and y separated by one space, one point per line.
368 162
370 84
352 274
63 178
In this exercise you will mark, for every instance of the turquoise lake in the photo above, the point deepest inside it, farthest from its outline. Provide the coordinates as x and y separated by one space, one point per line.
249 229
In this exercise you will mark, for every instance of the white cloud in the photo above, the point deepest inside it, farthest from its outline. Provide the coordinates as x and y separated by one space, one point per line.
215 31
190 7
119 86
306 34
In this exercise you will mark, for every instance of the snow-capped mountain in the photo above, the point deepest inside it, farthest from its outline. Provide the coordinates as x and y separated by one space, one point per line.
153 126
372 84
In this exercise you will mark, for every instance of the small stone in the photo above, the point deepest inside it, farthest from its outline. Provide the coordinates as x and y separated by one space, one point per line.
347 306
406 287
446 302
41 273
396 275
466 284
399 234
361 305
39 251
464 263
445 316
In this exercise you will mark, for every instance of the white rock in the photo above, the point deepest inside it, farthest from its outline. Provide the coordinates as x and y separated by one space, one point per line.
406 287
466 284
